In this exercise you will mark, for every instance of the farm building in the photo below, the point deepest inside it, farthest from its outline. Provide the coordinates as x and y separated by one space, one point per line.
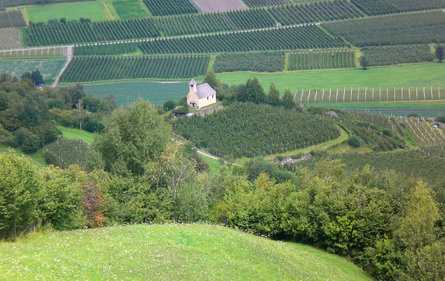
200 95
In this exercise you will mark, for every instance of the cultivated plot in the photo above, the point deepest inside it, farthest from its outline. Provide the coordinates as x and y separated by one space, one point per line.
10 38
129 92
48 68
220 5
70 11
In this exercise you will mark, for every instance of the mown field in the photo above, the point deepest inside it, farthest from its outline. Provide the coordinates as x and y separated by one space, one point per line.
418 75
93 10
129 92
168 252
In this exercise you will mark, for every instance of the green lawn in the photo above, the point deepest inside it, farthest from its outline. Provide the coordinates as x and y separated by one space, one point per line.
167 252
129 92
36 158
70 133
418 75
129 9
91 9
213 163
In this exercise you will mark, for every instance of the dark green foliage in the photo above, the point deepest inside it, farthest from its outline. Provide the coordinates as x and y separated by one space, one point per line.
37 77
273 97
439 53
111 68
250 130
170 7
380 7
415 28
440 119
354 141
169 105
105 50
256 167
389 55
213 22
364 62
19 192
315 12
258 3
254 91
83 32
284 38
288 100
332 59
12 18
210 78
67 152
260 62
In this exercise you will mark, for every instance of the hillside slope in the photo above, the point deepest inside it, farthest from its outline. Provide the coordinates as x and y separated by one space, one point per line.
167 252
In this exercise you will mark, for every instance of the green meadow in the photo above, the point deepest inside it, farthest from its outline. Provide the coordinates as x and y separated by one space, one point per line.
416 75
70 133
167 252
129 9
70 11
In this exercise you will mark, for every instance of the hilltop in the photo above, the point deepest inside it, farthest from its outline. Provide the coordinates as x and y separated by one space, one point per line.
168 252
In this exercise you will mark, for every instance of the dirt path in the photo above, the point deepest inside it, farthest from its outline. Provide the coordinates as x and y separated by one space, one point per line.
69 57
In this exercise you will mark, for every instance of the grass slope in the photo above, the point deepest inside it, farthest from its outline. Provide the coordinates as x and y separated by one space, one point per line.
168 252
76 134
70 11
418 75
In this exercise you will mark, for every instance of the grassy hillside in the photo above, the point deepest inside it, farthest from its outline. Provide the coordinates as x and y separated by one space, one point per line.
168 252
70 133
419 75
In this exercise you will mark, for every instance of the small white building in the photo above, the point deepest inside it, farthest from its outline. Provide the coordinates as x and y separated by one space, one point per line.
200 95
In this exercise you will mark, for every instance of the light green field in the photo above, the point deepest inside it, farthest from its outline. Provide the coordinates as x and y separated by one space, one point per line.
129 92
435 108
213 164
167 252
49 68
36 158
418 75
93 10
76 134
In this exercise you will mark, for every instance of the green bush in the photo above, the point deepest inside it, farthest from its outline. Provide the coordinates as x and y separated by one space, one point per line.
354 141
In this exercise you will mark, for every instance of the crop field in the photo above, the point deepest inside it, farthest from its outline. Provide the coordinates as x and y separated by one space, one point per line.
170 7
129 9
214 22
259 62
390 55
106 50
416 28
10 38
12 18
220 5
380 7
112 68
13 3
129 92
417 75
70 11
48 68
390 108
283 38
315 12
321 60
168 252
69 33
259 3
249 130
424 132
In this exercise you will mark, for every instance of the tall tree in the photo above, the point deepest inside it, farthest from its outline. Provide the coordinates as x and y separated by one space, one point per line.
439 53
37 77
210 78
254 91
288 100
363 62
132 137
273 98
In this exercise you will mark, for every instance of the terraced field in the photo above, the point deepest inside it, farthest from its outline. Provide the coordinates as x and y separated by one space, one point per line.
48 68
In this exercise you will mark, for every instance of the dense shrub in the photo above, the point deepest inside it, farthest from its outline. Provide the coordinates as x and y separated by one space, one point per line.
260 62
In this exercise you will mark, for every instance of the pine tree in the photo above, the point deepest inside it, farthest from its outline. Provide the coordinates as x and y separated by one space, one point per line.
273 97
